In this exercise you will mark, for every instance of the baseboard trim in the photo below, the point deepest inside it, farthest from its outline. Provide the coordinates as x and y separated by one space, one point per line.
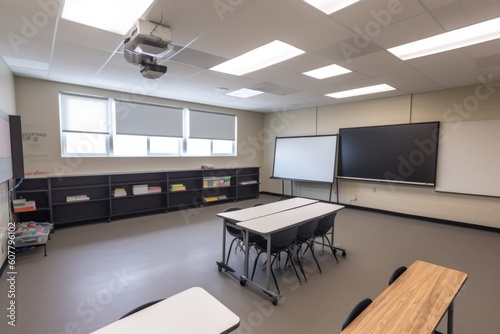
406 215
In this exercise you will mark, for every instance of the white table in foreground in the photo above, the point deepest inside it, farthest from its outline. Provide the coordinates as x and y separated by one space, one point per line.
192 311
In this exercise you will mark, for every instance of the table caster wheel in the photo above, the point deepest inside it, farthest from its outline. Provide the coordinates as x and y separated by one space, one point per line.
275 301
243 282
344 254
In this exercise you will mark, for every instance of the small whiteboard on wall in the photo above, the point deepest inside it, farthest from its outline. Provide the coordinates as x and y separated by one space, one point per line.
469 158
305 158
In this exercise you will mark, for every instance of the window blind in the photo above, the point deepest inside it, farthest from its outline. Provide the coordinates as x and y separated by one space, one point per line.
147 119
84 114
207 125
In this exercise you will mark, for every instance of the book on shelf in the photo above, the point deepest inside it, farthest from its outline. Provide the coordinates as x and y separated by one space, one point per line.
177 187
22 205
154 189
119 192
77 198
243 183
140 189
211 199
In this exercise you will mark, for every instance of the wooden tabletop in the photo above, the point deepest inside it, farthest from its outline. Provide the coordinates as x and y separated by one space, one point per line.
192 311
414 304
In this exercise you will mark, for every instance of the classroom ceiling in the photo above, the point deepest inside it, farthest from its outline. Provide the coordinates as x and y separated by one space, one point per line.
35 42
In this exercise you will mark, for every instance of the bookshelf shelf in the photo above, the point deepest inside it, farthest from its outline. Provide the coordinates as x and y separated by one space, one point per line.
51 194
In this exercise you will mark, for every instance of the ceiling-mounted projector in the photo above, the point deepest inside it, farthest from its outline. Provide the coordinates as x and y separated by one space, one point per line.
152 71
144 43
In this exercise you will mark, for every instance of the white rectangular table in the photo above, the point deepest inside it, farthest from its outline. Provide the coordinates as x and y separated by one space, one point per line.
268 224
192 311
265 209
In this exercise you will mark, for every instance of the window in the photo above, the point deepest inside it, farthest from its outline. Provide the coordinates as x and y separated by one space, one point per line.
84 125
99 126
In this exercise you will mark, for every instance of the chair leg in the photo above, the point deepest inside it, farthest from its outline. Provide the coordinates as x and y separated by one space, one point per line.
229 252
331 247
300 264
293 266
255 264
310 245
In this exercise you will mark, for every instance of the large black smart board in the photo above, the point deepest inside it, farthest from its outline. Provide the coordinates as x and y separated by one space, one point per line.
402 153
305 158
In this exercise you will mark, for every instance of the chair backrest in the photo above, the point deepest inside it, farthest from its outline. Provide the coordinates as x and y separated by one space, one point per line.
257 204
142 307
284 238
232 230
360 307
396 274
325 224
307 230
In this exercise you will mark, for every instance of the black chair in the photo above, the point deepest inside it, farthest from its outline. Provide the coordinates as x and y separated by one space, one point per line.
394 276
360 307
257 204
143 306
324 226
305 235
238 235
281 241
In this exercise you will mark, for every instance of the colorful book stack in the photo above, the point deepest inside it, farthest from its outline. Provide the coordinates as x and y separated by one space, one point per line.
77 198
177 187
119 192
140 189
22 205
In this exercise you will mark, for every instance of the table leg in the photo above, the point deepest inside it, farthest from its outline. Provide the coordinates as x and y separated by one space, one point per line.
268 264
247 253
450 318
224 241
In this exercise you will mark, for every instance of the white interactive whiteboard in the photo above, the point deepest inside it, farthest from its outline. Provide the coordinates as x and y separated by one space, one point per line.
469 158
306 158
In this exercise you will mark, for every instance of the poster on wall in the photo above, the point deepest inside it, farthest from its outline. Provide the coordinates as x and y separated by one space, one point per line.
37 158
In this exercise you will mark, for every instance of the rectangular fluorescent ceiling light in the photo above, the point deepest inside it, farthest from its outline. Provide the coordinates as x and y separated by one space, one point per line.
459 38
330 6
361 91
327 71
259 58
244 93
116 16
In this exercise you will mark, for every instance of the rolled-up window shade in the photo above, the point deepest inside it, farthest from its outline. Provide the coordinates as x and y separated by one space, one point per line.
148 120
84 114
207 125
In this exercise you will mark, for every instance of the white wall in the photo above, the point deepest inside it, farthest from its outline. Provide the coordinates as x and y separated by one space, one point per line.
38 105
481 102
7 104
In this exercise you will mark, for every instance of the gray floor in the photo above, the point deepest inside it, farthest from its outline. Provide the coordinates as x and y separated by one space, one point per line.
95 273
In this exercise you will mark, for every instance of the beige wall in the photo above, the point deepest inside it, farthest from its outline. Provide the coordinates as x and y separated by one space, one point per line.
481 102
38 105
8 105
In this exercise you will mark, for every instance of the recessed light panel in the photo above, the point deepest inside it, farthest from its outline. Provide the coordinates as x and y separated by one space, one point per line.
327 71
259 58
330 6
459 38
244 93
361 91
116 16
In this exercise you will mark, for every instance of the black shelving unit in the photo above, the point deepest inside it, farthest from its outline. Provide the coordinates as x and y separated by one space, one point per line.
72 199
77 198
35 190
132 203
